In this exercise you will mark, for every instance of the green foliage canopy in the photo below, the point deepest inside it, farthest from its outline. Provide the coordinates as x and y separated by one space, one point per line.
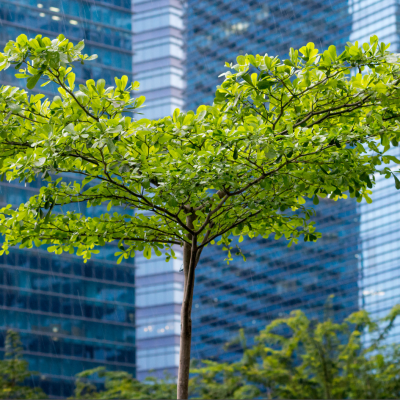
278 132
121 385
295 358
14 372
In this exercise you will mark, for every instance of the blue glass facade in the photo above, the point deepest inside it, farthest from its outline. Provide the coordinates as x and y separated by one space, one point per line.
106 28
158 64
275 279
71 316
159 56
357 260
220 30
379 258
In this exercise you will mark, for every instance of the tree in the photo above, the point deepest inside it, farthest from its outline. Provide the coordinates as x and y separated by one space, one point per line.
295 358
14 371
121 385
278 131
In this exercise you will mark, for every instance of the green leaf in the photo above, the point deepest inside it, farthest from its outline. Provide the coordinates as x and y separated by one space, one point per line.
241 60
289 63
247 78
71 80
111 146
176 114
315 200
139 101
147 252
15 108
201 115
393 158
270 153
396 182
265 83
173 152
172 202
332 52
385 139
124 81
101 83
367 198
22 39
32 81
80 46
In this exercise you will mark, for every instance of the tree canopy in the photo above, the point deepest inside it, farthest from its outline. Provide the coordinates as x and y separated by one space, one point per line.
121 385
304 127
279 131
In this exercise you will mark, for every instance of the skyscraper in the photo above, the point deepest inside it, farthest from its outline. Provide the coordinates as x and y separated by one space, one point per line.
158 64
357 260
159 56
379 258
218 31
274 280
319 278
71 316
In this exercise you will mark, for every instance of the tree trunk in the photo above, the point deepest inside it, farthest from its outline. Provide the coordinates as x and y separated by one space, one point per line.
190 257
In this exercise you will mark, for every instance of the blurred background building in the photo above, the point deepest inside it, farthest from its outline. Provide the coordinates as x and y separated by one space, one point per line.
354 265
177 50
71 316
159 66
379 259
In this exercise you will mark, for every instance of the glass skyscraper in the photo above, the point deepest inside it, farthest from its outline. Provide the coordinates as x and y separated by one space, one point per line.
220 30
379 259
319 278
357 260
342 272
275 279
159 66
71 316
159 54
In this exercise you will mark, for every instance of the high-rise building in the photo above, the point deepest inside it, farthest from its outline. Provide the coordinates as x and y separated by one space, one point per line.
158 64
379 258
319 278
159 293
357 260
159 54
218 31
275 279
71 316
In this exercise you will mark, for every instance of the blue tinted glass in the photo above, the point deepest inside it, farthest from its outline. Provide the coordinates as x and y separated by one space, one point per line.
61 306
